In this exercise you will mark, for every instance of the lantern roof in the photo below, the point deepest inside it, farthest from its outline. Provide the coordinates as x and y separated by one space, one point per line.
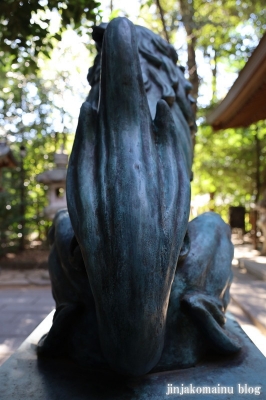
57 174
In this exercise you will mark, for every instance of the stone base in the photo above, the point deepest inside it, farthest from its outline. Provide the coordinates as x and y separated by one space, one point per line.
23 376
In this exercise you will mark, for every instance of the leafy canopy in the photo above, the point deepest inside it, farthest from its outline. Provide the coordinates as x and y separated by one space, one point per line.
28 26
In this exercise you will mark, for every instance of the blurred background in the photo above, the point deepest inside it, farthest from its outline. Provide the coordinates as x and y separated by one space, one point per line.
46 49
45 52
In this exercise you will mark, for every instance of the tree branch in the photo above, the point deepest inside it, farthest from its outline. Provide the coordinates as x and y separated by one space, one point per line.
161 11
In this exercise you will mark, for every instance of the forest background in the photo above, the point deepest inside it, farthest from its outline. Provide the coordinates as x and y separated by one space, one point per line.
45 52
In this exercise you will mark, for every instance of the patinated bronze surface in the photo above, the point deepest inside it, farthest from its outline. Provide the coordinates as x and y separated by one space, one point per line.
138 288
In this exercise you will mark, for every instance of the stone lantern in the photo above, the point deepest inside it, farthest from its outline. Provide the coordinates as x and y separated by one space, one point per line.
55 179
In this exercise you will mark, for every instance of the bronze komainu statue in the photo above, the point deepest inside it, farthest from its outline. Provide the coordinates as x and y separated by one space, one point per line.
137 287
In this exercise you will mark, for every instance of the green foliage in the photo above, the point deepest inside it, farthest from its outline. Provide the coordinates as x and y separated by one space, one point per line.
27 111
33 109
150 16
225 32
39 157
25 25
226 165
11 218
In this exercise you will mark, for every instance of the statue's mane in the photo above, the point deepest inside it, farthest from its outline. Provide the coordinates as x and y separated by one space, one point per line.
160 71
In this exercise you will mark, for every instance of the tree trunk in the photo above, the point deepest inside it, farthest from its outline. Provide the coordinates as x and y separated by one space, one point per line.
258 154
214 78
211 203
187 13
22 206
161 12
257 178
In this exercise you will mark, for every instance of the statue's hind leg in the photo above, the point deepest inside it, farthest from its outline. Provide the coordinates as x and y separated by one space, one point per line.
74 321
208 276
200 295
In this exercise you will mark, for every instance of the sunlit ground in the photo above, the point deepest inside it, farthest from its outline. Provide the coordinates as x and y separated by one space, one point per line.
252 331
256 297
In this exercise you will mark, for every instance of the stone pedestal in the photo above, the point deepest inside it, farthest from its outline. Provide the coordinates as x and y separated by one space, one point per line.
23 376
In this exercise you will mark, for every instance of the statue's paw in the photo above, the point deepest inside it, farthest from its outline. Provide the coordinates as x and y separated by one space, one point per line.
49 347
55 342
207 312
41 347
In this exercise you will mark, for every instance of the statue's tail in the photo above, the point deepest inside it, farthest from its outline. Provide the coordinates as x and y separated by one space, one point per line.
128 196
